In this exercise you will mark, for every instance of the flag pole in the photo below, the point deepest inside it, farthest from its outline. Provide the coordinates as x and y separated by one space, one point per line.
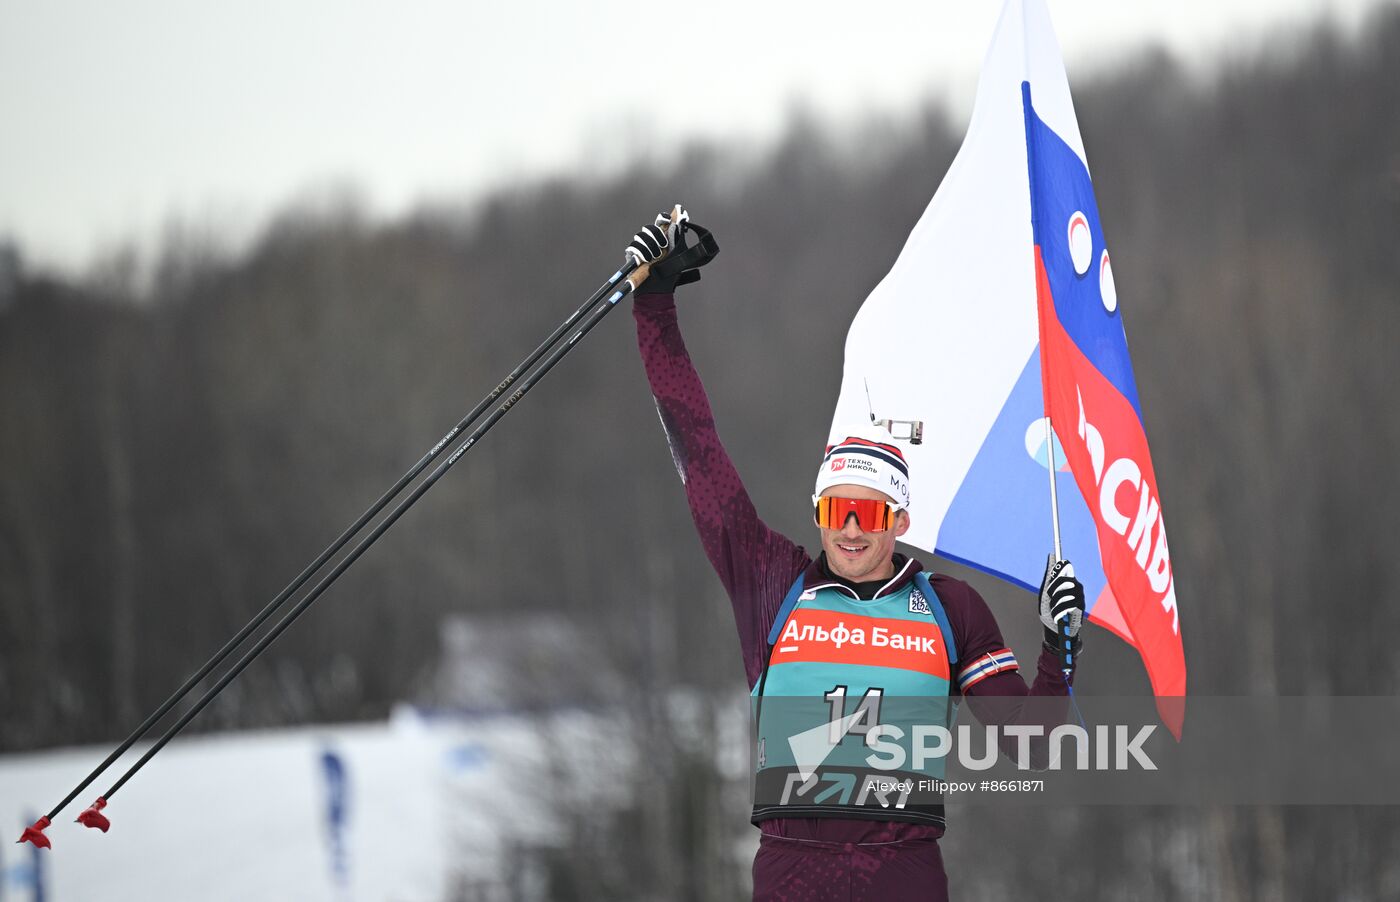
1040 320
1066 642
1054 496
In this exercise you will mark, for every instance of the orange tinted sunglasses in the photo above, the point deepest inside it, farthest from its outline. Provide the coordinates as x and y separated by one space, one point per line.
872 514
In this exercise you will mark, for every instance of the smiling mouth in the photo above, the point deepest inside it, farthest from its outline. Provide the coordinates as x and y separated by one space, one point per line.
851 549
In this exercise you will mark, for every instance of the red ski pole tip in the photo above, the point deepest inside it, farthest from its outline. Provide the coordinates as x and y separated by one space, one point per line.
35 834
92 816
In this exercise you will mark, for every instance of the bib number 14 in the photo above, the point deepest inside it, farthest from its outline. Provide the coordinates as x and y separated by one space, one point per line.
861 721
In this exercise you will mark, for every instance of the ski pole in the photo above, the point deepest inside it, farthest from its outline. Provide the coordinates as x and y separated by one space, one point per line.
35 833
93 817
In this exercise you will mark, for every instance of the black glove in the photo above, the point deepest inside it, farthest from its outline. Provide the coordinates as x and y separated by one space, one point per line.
1061 603
654 243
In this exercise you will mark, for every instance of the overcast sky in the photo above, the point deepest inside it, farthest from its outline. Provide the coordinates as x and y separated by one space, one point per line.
117 115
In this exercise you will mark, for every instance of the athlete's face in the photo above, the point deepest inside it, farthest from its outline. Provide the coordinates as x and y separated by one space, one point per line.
857 555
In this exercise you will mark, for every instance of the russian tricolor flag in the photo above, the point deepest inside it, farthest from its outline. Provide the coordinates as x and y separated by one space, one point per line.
1005 296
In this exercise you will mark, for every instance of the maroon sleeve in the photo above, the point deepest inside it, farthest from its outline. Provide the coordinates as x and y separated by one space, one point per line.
1000 698
756 564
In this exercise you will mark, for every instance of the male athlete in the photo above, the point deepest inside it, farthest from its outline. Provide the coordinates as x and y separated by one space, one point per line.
862 631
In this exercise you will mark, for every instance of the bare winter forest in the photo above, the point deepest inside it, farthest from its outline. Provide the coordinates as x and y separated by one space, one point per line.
175 449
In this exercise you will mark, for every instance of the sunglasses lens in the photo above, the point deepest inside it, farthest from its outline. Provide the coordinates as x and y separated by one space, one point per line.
872 515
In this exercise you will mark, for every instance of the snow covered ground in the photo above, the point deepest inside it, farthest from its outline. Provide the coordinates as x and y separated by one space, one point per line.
431 806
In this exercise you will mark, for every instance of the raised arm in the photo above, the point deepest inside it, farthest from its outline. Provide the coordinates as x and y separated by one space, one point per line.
756 564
